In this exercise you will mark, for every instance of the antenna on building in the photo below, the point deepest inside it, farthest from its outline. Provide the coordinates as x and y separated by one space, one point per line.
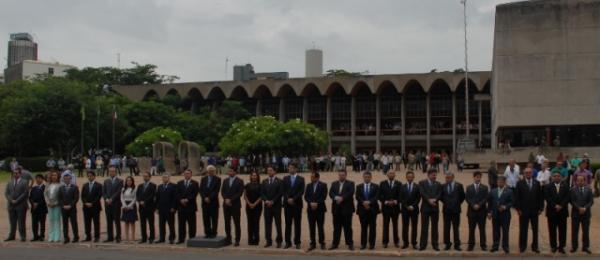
226 67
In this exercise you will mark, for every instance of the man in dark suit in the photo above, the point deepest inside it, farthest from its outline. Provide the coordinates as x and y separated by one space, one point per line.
166 201
500 201
145 196
453 195
390 197
187 191
271 193
91 193
39 210
232 191
111 192
315 195
210 186
556 194
68 195
431 191
342 209
367 209
582 200
529 202
411 197
17 195
476 196
293 189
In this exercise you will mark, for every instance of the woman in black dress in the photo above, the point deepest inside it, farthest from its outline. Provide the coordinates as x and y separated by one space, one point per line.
253 208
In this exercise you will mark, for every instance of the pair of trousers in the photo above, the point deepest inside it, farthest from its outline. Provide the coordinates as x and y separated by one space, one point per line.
189 219
164 219
17 218
342 222
410 218
70 216
91 217
54 224
393 217
253 225
316 221
273 214
293 216
38 225
232 214
426 219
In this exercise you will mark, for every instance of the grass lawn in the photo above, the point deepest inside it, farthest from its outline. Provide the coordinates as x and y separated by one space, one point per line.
4 176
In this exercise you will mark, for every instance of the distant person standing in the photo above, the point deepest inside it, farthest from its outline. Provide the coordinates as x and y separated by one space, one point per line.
582 200
431 192
187 191
492 175
293 190
410 210
529 203
499 204
166 203
68 195
17 195
146 199
342 209
453 195
271 194
556 194
39 210
477 196
315 195
91 194
253 208
390 197
232 191
111 192
512 174
210 185
367 209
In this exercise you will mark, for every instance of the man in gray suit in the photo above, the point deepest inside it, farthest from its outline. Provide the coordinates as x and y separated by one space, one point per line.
17 195
111 192
582 200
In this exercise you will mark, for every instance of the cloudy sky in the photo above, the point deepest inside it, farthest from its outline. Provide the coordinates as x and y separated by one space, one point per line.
192 38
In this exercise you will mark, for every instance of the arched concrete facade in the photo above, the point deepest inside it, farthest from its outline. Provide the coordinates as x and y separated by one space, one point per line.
167 152
189 156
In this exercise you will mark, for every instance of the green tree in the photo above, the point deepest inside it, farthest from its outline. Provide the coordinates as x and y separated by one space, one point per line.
137 75
143 116
297 138
142 145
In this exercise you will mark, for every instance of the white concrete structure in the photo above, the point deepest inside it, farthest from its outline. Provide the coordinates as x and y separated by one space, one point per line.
314 63
30 69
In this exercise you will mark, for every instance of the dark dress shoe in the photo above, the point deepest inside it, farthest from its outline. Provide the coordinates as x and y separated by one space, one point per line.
537 251
447 247
363 247
151 241
422 248
322 246
171 242
179 242
108 241
436 248
415 247
470 248
494 250
553 250
573 250
562 251
298 246
311 248
457 248
506 251
75 240
87 239
384 245
268 244
118 240
23 239
160 241
33 240
9 239
397 245
278 245
484 248
587 250
404 246
96 240
142 242
66 241
351 247
287 246
236 244
371 247
333 247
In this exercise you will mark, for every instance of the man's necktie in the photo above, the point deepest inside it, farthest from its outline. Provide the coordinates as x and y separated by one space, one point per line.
367 191
341 187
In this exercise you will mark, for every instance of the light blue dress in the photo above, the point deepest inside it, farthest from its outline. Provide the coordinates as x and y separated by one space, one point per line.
54 212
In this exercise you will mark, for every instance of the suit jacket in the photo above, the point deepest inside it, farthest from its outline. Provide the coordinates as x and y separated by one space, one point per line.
581 200
495 201
410 198
529 201
68 195
92 196
190 193
454 199
36 195
18 192
148 196
272 192
233 192
166 198
294 192
347 205
372 197
386 192
427 191
112 190
477 197
554 198
210 191
319 196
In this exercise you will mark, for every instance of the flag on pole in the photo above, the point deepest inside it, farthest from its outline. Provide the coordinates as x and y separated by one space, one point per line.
82 113
114 114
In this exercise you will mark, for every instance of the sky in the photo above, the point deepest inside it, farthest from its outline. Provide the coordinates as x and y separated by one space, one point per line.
193 38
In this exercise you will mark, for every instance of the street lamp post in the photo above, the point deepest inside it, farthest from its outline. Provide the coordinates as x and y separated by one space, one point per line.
467 127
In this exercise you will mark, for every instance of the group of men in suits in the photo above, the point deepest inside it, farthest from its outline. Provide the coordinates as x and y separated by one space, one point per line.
399 203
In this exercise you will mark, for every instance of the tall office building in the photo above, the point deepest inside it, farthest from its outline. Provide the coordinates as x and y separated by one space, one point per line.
21 47
314 63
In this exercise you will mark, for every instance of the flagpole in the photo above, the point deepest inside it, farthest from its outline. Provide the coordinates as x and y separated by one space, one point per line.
82 121
98 127
113 128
